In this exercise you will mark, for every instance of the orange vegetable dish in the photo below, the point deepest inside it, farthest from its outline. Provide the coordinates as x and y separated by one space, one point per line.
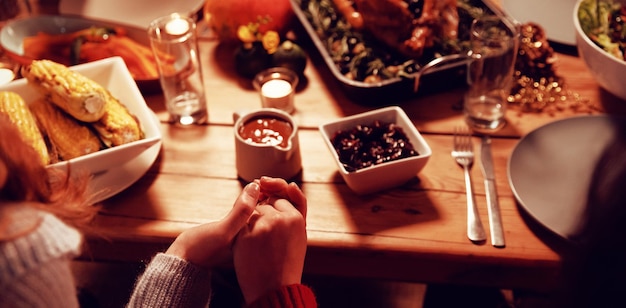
93 44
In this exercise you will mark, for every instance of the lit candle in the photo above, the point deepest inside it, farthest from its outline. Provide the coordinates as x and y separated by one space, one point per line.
277 93
177 26
6 75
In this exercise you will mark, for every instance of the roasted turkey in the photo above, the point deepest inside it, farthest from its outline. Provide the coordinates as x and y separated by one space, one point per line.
408 26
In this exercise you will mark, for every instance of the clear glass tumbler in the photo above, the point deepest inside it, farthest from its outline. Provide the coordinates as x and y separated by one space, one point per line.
174 44
494 44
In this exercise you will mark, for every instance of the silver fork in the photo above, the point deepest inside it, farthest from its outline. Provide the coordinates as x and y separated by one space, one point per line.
463 153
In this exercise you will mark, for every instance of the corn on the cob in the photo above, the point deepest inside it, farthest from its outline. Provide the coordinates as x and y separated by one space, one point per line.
76 94
13 105
69 137
117 126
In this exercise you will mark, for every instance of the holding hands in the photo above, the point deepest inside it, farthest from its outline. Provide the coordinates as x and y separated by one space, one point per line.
265 233
269 252
210 244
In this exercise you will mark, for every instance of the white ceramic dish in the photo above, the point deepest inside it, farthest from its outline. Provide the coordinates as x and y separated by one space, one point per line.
12 36
386 175
116 179
608 70
138 13
550 169
106 165
553 16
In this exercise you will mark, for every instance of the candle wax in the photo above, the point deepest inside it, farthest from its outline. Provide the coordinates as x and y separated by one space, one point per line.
276 88
177 26
277 93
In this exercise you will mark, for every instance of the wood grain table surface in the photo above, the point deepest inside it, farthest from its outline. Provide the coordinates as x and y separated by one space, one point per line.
412 233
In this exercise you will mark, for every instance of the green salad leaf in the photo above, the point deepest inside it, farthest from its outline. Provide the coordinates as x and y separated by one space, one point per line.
594 17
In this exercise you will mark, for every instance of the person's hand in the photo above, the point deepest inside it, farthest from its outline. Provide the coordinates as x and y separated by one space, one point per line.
210 244
269 253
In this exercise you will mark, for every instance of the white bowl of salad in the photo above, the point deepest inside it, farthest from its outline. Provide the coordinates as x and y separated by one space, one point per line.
601 44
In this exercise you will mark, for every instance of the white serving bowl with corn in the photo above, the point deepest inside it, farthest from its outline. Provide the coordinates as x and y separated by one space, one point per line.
113 76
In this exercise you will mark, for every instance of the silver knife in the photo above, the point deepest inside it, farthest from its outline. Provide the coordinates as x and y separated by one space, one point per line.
495 221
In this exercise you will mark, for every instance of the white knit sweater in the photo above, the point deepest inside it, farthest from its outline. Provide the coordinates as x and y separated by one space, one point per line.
35 268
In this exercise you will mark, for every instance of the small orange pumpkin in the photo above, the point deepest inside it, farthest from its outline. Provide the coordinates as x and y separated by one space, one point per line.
225 17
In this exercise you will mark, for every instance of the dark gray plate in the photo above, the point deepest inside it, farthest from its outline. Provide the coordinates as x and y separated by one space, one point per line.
550 169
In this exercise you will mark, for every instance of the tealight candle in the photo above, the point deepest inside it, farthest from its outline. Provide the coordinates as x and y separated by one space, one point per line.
277 88
177 26
277 94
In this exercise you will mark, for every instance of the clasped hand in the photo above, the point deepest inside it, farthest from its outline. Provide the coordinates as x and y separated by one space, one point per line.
264 233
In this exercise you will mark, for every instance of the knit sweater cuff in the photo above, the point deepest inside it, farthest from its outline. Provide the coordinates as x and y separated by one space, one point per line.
51 240
169 281
291 296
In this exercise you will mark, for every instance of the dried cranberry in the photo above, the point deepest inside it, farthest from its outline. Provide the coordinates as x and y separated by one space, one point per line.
372 144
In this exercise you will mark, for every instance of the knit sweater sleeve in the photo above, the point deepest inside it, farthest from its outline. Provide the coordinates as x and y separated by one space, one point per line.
35 268
169 281
291 296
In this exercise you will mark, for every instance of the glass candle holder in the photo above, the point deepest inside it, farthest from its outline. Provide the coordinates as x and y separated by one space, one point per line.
277 87
174 44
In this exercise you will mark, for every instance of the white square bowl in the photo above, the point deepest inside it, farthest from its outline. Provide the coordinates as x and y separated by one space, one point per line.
114 76
385 175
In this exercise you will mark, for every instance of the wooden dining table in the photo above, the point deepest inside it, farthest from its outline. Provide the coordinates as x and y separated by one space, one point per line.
415 232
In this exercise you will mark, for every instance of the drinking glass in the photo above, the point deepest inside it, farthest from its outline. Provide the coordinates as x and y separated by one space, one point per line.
175 47
494 44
